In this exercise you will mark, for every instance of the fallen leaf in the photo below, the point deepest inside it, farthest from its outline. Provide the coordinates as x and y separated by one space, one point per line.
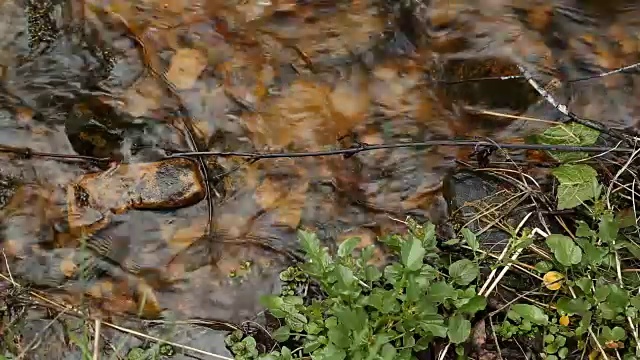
553 280
186 66
479 335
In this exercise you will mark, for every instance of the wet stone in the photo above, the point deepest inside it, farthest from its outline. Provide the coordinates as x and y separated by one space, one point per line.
166 184
463 190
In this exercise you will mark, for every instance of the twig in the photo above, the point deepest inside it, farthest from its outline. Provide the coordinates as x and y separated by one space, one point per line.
626 165
96 340
160 341
515 255
39 334
495 338
358 149
563 108
612 72
443 353
6 263
519 77
28 153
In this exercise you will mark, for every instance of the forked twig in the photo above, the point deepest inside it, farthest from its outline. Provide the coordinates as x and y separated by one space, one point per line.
563 108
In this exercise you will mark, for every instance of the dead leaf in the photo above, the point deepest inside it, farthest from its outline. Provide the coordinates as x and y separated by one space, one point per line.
186 66
553 280
479 335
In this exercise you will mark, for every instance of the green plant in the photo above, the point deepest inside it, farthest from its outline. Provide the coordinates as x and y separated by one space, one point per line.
366 313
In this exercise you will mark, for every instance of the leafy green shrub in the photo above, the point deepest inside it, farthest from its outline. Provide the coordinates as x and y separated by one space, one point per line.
366 313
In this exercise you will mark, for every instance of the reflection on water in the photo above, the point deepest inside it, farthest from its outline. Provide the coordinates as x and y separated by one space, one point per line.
266 76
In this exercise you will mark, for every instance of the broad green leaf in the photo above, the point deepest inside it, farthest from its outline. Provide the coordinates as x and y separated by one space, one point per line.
564 249
383 300
544 266
470 238
371 273
275 304
412 254
345 276
388 352
459 329
608 229
632 247
330 352
584 230
531 313
309 242
475 304
437 330
602 292
281 334
573 306
615 334
347 246
585 284
578 183
312 345
568 134
440 291
464 271
593 255
296 321
618 297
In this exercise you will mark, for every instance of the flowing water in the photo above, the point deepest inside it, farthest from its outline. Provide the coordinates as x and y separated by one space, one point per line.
256 75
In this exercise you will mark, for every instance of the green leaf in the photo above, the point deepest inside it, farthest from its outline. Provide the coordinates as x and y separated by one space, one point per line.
296 321
274 304
584 284
544 266
470 239
568 134
615 334
281 334
309 242
618 297
573 306
347 246
371 273
475 304
584 230
464 271
331 352
607 311
563 353
593 255
531 313
608 229
345 276
632 247
412 253
602 292
388 352
578 183
564 249
459 329
440 291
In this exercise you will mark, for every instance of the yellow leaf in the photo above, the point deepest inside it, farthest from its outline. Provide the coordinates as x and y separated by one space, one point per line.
186 66
553 280
564 320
